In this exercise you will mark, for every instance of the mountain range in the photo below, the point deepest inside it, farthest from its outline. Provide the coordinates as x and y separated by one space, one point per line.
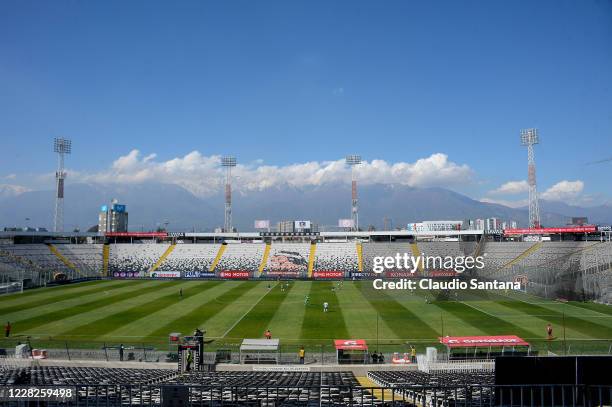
152 204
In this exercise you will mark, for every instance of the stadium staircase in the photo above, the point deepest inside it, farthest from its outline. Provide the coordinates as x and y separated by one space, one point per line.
416 253
523 255
480 246
311 258
359 258
213 266
378 393
105 259
163 257
264 259
63 258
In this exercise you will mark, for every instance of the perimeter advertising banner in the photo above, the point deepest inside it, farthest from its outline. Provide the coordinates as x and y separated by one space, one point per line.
235 274
166 274
126 274
328 274
198 274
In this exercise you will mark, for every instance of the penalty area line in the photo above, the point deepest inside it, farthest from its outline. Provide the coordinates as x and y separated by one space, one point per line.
249 310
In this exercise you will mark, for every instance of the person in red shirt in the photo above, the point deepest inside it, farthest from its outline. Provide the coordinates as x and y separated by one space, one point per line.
549 331
268 334
7 329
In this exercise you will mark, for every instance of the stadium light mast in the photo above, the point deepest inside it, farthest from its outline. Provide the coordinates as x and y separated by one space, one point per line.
352 161
529 138
61 146
228 163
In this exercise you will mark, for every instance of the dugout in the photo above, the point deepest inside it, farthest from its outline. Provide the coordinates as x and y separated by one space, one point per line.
485 347
351 351
256 351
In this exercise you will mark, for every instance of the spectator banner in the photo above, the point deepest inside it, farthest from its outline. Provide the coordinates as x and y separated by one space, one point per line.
547 231
166 274
136 234
328 274
288 261
198 274
235 274
126 274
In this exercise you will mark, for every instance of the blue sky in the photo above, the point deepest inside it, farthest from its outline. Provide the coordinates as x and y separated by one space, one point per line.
284 83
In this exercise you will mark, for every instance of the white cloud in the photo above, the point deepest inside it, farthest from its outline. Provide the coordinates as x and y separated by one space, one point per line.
511 188
566 191
202 175
511 204
10 190
563 191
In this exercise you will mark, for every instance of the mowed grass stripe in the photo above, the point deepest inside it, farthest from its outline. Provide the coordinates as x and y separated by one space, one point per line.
401 320
195 318
361 317
601 308
323 325
147 325
131 315
586 327
487 323
287 322
50 317
258 319
49 291
16 306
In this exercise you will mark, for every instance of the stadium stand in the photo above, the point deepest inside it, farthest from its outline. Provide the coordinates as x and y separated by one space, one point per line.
371 250
425 388
86 257
190 257
241 257
336 257
38 254
135 258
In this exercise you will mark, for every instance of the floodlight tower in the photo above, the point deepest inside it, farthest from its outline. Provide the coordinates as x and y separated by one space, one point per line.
228 162
529 138
61 146
354 160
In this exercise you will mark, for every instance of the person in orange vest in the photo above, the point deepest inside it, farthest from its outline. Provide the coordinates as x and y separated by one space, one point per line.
268 334
7 329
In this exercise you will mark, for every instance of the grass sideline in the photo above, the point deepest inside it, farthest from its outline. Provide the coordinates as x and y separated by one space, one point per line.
144 312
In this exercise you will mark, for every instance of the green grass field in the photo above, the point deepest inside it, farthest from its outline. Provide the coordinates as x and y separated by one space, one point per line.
146 311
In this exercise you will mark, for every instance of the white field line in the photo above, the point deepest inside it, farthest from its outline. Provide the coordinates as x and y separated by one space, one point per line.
478 309
249 310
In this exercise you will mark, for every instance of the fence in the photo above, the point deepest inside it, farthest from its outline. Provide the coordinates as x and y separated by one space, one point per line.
341 395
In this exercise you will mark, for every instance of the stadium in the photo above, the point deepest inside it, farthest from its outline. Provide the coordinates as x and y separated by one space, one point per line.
263 261
126 298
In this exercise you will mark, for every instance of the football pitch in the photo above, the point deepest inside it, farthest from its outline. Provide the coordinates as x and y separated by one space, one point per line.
146 311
